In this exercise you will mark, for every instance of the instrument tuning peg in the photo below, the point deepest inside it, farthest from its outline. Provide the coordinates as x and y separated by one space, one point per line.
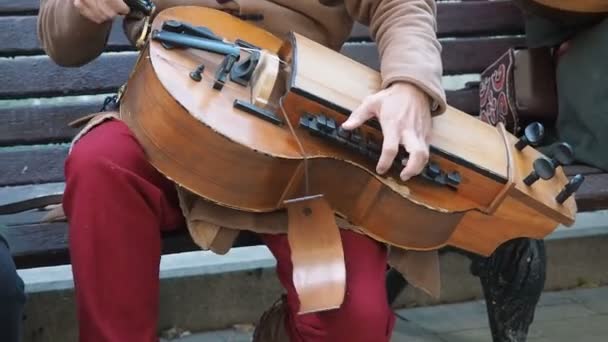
563 154
196 75
570 188
533 135
543 168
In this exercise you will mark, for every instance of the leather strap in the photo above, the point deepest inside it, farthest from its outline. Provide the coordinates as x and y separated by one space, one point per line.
319 272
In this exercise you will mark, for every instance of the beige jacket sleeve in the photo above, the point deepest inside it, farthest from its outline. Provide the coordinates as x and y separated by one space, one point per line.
405 32
66 36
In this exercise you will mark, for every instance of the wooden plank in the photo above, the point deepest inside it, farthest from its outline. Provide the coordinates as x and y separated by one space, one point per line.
46 239
46 244
38 76
466 100
38 245
109 71
473 55
454 19
42 124
19 36
18 6
460 56
593 193
572 170
479 18
43 165
33 165
47 123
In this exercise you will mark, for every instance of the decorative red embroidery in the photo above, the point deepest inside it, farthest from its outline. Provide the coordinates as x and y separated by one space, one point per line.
484 92
499 77
492 109
495 94
502 107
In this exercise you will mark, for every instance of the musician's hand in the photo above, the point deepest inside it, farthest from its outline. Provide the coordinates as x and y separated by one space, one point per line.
404 113
100 11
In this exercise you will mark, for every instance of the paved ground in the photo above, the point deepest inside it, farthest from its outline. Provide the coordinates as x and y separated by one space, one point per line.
576 315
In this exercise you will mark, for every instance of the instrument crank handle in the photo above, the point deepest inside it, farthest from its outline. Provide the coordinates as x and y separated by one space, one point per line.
173 39
569 189
146 7
185 28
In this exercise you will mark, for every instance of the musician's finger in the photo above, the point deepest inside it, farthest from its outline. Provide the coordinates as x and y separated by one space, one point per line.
87 12
359 116
418 151
105 10
120 7
390 148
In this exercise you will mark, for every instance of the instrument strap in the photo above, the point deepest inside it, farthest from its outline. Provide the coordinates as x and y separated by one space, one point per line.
317 255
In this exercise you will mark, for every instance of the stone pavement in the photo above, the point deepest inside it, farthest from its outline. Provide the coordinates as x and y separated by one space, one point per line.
579 315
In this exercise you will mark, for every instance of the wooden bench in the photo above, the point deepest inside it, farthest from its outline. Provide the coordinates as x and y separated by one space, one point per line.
39 98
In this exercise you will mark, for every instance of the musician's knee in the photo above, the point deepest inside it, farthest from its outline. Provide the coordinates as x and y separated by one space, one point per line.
100 166
98 154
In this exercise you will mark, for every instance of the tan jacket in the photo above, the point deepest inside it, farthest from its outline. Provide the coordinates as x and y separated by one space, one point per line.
409 51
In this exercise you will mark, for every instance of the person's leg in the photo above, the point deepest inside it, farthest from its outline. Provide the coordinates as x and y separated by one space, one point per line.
12 297
512 278
116 204
365 314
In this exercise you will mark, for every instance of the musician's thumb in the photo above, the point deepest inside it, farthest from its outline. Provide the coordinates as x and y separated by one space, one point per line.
359 116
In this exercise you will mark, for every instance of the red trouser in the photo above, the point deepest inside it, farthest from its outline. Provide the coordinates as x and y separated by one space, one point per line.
118 204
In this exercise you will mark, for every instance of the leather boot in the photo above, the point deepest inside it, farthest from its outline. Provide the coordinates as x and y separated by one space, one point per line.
271 327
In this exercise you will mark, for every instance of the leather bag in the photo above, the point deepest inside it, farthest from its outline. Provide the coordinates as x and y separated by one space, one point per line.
519 88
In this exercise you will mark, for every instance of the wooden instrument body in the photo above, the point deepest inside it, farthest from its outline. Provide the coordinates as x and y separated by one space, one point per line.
195 136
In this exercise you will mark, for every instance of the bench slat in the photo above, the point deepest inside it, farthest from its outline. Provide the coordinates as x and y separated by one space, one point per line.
18 34
32 165
454 18
593 193
38 76
460 56
12 6
33 239
36 245
46 244
572 170
48 123
44 165
43 124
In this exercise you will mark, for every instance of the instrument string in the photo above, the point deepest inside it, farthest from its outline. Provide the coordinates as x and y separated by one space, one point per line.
300 145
